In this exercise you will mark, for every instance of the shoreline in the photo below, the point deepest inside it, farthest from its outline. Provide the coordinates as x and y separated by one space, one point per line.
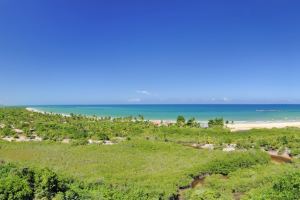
262 125
45 112
236 126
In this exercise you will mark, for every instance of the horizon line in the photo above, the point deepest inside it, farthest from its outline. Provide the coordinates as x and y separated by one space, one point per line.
141 104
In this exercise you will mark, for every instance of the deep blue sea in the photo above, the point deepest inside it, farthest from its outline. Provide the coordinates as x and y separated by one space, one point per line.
238 112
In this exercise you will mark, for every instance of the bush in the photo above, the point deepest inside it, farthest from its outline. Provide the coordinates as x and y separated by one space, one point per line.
14 187
204 194
125 192
234 161
47 184
285 187
27 184
218 122
193 123
79 142
180 120
6 131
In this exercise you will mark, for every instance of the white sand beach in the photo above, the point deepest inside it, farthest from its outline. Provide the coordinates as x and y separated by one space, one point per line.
236 126
258 125
34 110
43 112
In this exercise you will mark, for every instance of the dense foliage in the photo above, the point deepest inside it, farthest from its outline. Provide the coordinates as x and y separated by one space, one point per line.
58 127
181 122
218 122
234 161
23 183
285 187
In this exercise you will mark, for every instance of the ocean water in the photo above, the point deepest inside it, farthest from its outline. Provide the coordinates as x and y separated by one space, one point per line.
238 112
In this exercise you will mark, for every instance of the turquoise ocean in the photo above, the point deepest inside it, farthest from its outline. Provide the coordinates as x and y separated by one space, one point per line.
202 112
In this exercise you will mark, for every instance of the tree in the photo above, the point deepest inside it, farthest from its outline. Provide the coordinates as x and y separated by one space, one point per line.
180 120
192 122
218 122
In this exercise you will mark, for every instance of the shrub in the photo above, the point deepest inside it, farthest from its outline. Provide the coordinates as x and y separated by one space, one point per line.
47 184
14 187
234 161
6 131
180 120
285 187
27 184
79 142
218 122
205 194
192 123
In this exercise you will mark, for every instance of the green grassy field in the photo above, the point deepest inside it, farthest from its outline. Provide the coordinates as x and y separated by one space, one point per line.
160 168
152 162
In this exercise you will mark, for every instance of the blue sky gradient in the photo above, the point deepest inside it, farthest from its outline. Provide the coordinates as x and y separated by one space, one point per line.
108 51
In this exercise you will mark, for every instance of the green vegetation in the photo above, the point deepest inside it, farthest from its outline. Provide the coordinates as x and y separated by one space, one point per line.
24 183
180 120
158 166
193 123
144 160
285 187
218 122
257 182
234 161
57 127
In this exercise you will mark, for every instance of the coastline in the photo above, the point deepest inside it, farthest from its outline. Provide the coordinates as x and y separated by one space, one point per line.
236 126
44 112
262 125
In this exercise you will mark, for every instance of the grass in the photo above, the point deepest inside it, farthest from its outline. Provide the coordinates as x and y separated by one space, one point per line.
151 163
156 165
160 167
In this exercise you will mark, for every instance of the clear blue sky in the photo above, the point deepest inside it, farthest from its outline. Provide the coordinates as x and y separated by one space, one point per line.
155 51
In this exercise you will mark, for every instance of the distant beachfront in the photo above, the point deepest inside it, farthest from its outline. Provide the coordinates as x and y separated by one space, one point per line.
239 113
